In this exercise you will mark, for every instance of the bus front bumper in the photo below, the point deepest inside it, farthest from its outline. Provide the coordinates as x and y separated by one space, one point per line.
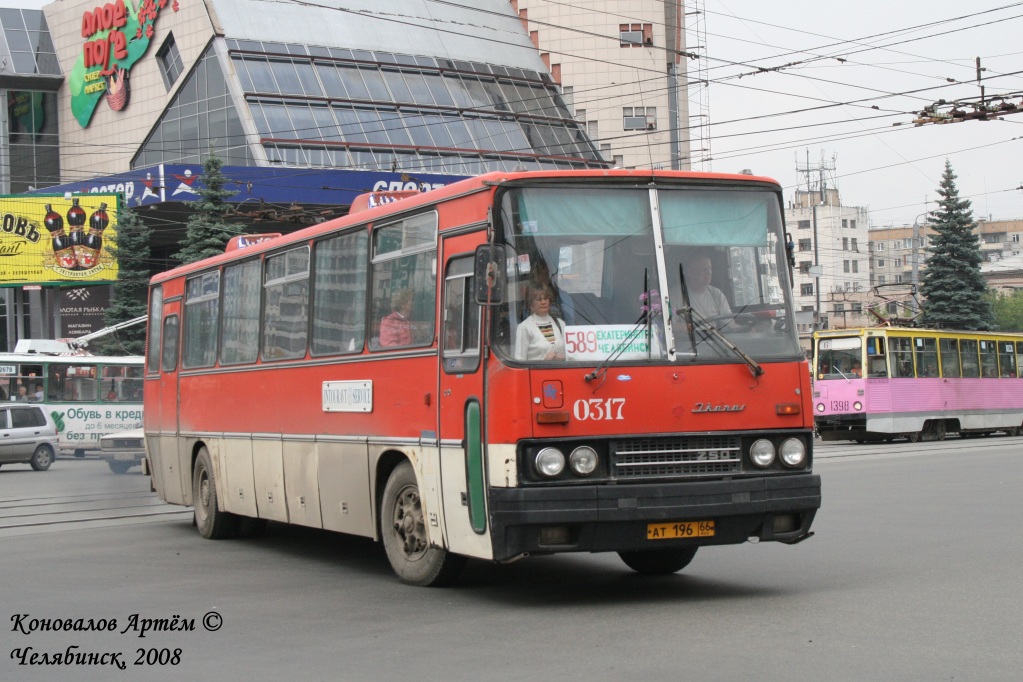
600 518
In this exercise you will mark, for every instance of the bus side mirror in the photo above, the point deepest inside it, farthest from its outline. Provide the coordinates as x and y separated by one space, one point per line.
490 274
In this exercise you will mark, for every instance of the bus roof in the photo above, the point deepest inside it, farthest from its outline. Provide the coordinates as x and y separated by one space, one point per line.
467 186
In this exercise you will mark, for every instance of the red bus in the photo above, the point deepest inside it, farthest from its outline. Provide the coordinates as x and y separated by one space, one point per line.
515 364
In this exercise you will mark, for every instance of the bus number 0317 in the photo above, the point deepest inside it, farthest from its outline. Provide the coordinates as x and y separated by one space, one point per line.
598 409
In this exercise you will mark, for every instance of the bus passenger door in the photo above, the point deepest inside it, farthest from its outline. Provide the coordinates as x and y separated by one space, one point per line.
161 412
460 406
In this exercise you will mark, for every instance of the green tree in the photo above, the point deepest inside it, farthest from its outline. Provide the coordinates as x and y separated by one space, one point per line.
208 230
952 287
1008 311
128 296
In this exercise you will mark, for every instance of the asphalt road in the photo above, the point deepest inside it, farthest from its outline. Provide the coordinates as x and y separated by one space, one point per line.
914 574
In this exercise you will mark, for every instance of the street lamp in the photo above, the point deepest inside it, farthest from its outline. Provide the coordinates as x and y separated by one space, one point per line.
915 256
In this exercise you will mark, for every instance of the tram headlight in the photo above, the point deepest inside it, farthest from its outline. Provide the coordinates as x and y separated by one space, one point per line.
550 462
792 452
857 406
583 460
820 407
761 453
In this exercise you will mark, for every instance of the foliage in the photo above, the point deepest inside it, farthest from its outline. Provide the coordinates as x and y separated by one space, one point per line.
128 297
952 286
1008 311
208 231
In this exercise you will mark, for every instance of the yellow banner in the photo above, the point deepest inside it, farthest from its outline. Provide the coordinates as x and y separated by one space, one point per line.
52 239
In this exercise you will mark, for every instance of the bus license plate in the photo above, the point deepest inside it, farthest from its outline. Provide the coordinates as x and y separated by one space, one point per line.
681 529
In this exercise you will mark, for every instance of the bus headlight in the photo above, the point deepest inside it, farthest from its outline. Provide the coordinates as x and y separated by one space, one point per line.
857 406
820 407
583 460
761 453
792 452
550 462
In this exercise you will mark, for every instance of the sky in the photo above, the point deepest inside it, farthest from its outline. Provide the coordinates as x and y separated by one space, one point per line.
839 77
843 59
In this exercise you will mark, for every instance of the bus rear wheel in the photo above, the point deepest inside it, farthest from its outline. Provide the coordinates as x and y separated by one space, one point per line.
405 537
211 523
658 561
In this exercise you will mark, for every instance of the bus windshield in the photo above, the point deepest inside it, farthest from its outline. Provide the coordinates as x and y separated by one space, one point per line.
627 275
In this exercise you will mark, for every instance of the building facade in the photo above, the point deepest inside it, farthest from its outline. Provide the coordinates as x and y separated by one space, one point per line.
623 67
112 96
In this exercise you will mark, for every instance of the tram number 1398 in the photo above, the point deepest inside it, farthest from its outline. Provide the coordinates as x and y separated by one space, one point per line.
598 409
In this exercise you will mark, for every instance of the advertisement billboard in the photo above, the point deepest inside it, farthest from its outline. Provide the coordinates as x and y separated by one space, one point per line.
53 240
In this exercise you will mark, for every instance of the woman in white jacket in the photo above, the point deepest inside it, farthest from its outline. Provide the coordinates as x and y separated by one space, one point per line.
540 336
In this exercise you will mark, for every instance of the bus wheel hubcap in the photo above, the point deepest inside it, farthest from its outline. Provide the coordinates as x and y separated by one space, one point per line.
408 523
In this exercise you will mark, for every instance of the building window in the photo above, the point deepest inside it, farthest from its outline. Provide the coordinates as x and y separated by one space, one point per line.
852 224
845 223
845 243
853 244
580 114
805 245
170 61
839 307
591 130
880 279
892 307
855 266
880 262
636 35
806 289
898 262
804 267
639 118
804 225
1015 237
857 307
898 279
879 246
845 266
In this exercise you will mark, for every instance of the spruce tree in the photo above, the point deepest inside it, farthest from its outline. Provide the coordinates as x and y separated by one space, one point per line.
129 294
953 288
208 230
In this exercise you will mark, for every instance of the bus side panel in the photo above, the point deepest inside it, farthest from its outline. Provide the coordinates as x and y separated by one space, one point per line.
238 491
301 462
344 487
268 473
462 539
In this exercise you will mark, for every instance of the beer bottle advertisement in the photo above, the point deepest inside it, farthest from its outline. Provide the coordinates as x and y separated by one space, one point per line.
54 239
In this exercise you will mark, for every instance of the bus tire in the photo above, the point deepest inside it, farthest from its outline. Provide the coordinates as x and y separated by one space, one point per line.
405 537
913 437
211 523
42 458
119 467
658 561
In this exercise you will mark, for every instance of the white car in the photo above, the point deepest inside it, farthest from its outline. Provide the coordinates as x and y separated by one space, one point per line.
27 435
123 449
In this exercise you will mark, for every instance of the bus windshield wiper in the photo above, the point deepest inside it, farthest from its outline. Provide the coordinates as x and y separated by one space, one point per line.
696 321
616 352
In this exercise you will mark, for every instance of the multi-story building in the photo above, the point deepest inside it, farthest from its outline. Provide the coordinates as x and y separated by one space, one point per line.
307 104
623 69
832 274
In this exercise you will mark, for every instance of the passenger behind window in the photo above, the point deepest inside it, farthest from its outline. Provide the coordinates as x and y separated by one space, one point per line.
396 328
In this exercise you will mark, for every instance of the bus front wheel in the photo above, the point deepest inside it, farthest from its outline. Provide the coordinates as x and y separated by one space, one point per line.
212 523
405 536
658 561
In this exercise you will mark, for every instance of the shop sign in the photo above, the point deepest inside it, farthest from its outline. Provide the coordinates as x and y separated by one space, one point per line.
116 35
54 239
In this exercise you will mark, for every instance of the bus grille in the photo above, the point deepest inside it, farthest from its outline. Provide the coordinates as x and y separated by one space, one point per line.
671 457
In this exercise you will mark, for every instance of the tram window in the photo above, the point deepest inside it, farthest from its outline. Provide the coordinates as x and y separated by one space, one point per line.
73 383
926 357
901 351
950 366
988 359
339 295
971 363
1006 359
1019 359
